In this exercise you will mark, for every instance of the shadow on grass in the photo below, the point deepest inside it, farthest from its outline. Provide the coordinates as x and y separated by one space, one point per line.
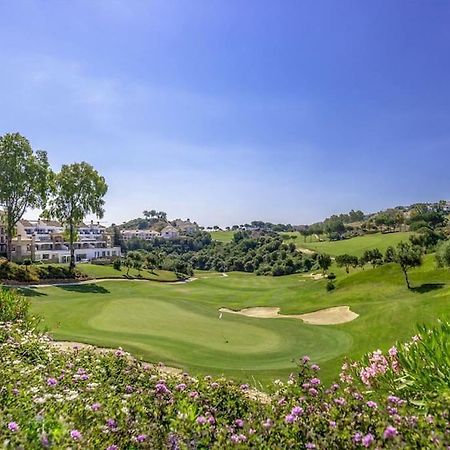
427 287
85 289
29 292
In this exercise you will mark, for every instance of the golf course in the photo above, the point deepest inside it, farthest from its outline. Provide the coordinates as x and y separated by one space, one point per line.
180 325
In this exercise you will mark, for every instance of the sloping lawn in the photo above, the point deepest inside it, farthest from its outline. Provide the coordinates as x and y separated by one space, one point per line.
356 246
180 324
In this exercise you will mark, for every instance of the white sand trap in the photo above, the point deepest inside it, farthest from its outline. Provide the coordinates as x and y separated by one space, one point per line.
327 316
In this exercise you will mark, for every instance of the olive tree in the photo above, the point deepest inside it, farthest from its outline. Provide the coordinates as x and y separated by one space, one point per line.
25 178
324 261
346 261
78 191
408 256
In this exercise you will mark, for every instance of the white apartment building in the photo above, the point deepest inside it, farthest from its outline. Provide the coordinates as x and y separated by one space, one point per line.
41 240
169 232
146 235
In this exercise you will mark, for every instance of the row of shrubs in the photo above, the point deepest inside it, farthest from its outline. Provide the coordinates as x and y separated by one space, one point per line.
35 272
85 400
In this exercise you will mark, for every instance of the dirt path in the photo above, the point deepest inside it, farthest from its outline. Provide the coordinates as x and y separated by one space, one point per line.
327 316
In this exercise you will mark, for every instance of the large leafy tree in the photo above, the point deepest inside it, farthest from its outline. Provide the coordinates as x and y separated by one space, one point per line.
79 190
25 178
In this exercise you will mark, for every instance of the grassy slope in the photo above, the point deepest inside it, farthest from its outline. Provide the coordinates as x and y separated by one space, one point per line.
97 271
355 246
179 324
222 236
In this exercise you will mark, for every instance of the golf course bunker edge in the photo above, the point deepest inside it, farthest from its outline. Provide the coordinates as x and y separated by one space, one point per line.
327 316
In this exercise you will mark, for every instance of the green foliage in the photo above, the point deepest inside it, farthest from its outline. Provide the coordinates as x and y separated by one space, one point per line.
13 307
347 261
78 190
373 256
27 272
443 254
262 253
389 255
117 264
25 178
324 261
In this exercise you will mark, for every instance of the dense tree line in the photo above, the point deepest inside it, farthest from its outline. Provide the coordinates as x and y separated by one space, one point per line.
262 253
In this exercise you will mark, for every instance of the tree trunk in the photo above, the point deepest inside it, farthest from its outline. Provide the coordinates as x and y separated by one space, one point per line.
8 246
405 272
72 250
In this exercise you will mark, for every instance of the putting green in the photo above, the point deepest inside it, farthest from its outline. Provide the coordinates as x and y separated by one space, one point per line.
179 324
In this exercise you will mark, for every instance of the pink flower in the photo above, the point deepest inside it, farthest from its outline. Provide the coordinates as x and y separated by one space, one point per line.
306 359
112 424
201 420
367 440
315 381
52 381
313 392
12 426
290 418
244 387
75 435
267 423
390 432
180 387
239 423
141 437
315 367
372 404
393 351
95 406
339 401
297 411
211 420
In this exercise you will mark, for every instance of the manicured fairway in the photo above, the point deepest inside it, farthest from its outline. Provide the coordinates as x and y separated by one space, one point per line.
179 323
222 236
356 246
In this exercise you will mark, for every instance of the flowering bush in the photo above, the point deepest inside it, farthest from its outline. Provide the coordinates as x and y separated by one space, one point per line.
418 370
82 399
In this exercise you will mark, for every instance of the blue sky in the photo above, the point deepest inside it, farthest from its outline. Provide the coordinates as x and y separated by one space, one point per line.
229 111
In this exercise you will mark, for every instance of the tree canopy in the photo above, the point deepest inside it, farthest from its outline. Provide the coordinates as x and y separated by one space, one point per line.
78 190
25 178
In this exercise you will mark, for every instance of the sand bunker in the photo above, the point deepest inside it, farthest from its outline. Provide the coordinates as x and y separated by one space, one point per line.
327 316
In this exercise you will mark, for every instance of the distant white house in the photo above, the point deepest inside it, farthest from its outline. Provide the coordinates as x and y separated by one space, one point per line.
185 226
145 235
169 232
